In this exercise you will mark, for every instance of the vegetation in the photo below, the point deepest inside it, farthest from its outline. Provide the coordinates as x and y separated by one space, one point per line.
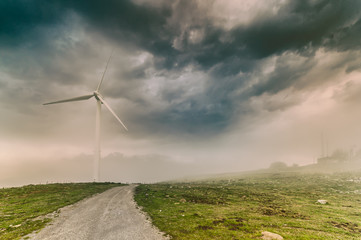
243 207
21 208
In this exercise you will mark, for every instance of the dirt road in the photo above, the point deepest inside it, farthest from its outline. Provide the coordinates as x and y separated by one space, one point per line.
109 215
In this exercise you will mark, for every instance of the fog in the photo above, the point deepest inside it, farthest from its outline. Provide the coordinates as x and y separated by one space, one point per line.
222 86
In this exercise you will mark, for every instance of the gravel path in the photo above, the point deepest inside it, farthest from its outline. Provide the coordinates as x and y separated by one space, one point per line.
110 215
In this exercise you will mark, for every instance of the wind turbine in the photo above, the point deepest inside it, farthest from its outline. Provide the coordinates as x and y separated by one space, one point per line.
100 100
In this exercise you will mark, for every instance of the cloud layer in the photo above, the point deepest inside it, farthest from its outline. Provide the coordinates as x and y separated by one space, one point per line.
183 72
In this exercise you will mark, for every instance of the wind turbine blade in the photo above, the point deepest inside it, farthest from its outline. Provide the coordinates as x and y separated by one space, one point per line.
109 108
106 67
85 97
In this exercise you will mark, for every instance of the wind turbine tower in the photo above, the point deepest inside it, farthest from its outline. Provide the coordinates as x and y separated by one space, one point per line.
99 101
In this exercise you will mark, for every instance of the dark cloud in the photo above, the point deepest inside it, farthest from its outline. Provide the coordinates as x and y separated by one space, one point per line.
301 27
285 75
177 35
20 21
192 117
345 38
298 26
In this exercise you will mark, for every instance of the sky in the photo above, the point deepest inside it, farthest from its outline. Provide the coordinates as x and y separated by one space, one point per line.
203 86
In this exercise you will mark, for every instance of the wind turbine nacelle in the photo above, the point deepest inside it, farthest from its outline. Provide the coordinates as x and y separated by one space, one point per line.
98 96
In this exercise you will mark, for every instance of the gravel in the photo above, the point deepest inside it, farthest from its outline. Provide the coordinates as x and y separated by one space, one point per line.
112 214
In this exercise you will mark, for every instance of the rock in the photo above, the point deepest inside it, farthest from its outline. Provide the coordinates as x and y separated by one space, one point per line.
320 201
183 200
271 236
15 226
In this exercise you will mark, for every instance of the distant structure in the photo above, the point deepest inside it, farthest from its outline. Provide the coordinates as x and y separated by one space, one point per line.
338 156
327 160
99 101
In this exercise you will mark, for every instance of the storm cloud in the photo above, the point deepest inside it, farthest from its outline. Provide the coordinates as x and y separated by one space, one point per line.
182 71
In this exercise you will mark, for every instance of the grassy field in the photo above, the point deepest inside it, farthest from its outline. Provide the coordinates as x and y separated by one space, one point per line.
243 207
21 207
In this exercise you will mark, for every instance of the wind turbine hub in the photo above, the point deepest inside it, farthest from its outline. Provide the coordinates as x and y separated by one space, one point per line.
98 96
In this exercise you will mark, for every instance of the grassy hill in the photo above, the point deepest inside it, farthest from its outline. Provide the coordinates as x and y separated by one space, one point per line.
229 206
241 207
22 208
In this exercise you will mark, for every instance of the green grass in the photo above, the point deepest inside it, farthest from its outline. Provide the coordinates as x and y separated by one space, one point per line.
20 207
241 208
